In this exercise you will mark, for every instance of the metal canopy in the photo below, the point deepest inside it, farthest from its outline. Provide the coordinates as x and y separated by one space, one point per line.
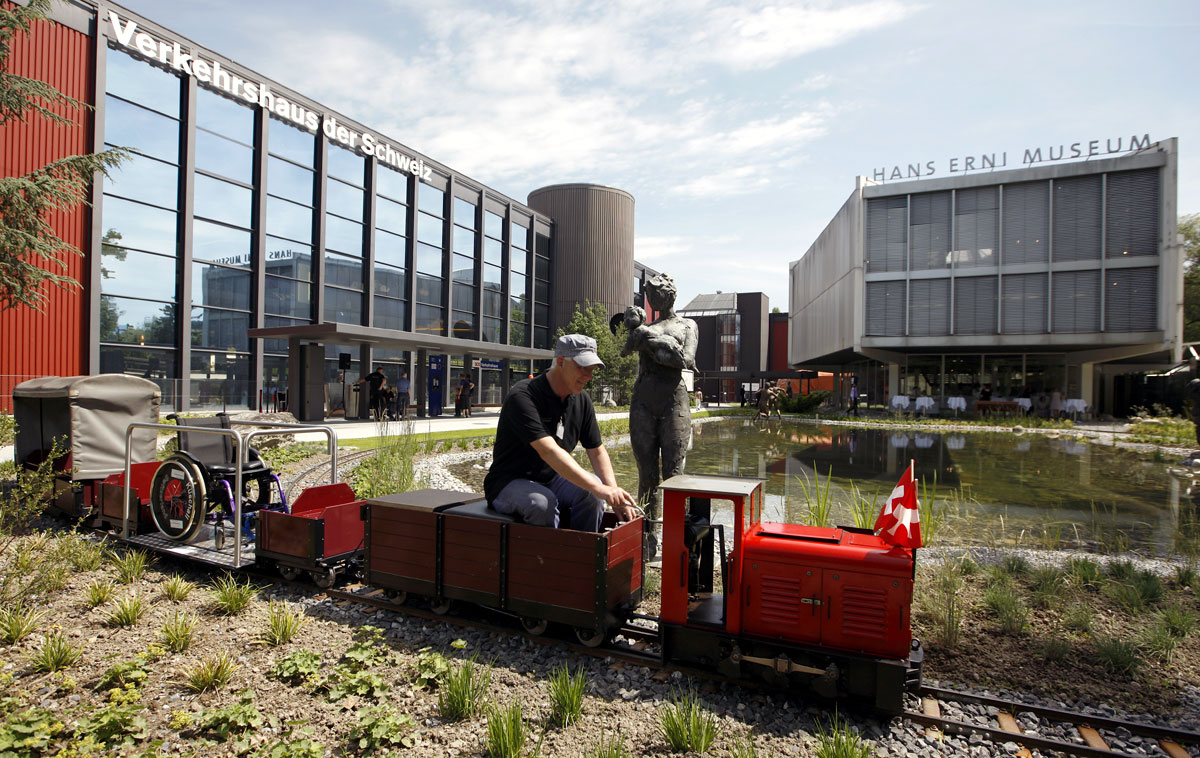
392 339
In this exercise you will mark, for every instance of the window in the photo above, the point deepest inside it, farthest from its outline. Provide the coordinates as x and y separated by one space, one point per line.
1026 223
885 309
929 230
929 307
887 233
1131 215
975 305
1131 300
1077 218
976 226
1076 301
1024 304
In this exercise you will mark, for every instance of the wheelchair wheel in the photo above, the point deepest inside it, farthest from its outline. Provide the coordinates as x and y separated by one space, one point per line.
178 499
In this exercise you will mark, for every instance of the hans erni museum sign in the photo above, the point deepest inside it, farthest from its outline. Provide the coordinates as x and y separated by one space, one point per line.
216 76
1031 156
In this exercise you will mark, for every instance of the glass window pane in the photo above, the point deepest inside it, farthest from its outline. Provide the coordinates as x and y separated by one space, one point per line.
221 156
464 325
463 297
541 338
541 291
541 314
139 82
136 225
464 241
516 285
391 183
391 282
147 180
518 260
286 258
139 322
220 244
491 330
390 249
342 235
156 365
518 309
344 200
289 220
541 267
429 259
278 346
429 229
431 200
518 333
429 290
224 116
128 272
391 216
289 180
221 287
343 271
493 304
389 313
464 213
493 277
285 297
222 201
290 142
220 330
493 225
149 133
520 237
219 379
343 306
345 165
430 320
464 269
493 251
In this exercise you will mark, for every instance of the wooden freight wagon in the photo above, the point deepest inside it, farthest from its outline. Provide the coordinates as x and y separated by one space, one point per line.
450 546
323 534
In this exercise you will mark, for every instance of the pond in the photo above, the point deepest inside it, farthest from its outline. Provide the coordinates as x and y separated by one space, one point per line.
992 488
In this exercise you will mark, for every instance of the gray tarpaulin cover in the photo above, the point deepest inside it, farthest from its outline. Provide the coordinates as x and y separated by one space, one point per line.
94 412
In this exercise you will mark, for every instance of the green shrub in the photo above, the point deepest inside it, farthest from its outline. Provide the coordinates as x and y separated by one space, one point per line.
566 694
686 725
463 690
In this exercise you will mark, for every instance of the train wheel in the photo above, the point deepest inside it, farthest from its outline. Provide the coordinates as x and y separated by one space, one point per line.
399 597
324 579
534 626
289 572
441 607
178 499
590 637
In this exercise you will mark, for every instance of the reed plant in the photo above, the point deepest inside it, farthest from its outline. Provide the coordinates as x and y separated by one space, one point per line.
945 605
391 469
742 747
131 565
178 633
686 725
506 733
18 622
283 624
127 611
1178 620
818 503
838 740
176 588
464 690
610 747
566 694
210 673
863 510
1117 655
932 511
230 596
55 654
99 592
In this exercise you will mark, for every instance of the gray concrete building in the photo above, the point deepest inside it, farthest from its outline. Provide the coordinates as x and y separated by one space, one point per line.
1048 282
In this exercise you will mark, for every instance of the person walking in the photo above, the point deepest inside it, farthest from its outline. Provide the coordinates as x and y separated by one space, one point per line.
854 396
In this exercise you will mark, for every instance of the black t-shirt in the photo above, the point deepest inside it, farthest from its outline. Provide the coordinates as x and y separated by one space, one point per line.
375 381
532 411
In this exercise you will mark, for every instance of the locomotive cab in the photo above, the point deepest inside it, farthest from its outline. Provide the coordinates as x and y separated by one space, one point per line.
820 609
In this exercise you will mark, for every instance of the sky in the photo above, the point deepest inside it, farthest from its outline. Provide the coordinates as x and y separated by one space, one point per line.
739 128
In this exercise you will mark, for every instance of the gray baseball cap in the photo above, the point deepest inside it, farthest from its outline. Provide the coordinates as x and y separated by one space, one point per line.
579 348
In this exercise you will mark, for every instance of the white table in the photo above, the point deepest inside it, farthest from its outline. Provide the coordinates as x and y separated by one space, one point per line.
900 402
956 442
925 403
924 441
1025 403
956 403
1074 405
899 440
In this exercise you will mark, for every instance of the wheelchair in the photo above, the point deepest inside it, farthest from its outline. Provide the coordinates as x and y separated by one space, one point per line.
195 485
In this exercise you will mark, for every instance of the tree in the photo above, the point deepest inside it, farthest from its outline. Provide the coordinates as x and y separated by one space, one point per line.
30 249
1189 227
619 371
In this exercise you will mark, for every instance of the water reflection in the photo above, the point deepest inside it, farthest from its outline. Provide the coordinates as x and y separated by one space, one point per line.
1001 489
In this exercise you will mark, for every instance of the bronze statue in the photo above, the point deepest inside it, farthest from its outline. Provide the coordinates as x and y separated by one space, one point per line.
660 418
768 401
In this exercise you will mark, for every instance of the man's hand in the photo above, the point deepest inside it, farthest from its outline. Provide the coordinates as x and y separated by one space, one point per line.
618 499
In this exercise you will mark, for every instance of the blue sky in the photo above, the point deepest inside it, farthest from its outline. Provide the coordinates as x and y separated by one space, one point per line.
738 127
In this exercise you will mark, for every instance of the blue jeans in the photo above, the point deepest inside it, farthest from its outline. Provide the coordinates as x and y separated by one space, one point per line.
548 504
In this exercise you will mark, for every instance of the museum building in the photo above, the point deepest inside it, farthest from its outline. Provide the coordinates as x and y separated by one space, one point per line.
1048 279
257 243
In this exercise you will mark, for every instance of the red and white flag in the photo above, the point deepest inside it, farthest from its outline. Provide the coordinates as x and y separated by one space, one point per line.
899 522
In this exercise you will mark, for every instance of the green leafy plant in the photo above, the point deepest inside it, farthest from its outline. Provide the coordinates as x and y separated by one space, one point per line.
211 672
1078 617
17 623
566 694
133 672
506 734
178 633
431 667
818 503
118 722
611 747
1084 571
686 725
131 565
300 667
1177 620
1158 641
55 654
1122 571
1055 648
283 624
176 588
127 611
346 682
30 733
1117 655
230 597
1011 613
463 690
381 728
231 720
99 592
293 743
838 740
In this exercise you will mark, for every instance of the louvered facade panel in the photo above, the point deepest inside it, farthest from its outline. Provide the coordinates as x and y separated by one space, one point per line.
885 309
929 307
1077 218
1131 215
1131 300
976 226
1024 303
929 230
887 233
975 305
1076 301
1026 223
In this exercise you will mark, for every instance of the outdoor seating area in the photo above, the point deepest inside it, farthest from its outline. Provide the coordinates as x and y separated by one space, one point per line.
957 405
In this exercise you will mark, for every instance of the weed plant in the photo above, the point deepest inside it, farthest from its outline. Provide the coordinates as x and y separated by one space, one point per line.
127 611
18 622
1149 586
176 588
300 667
1014 565
55 654
818 504
83 554
1055 649
1078 618
130 673
839 741
1118 656
391 468
380 728
1122 571
345 682
230 597
210 673
1011 613
505 731
566 694
283 624
1084 572
611 747
231 720
1158 641
179 632
686 725
1177 620
293 742
131 565
118 723
1125 595
464 690
99 592
1185 576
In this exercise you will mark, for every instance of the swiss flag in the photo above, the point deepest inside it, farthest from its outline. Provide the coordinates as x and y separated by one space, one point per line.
899 522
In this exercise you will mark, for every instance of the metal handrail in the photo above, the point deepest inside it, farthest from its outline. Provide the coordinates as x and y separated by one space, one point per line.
243 455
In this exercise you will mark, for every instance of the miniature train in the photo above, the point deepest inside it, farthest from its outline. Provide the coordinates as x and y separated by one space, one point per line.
826 610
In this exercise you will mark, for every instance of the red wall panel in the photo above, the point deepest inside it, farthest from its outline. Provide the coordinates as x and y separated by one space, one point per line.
53 342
